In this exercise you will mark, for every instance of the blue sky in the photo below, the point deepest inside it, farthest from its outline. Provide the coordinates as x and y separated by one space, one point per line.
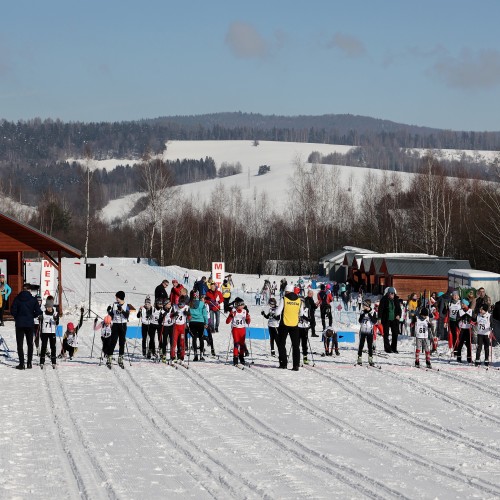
428 62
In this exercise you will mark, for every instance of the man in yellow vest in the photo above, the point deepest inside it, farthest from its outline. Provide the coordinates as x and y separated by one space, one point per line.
289 309
226 295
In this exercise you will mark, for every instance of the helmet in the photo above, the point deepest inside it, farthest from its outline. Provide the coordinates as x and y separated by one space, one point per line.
106 320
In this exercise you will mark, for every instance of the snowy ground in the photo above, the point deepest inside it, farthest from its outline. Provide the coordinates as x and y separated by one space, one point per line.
212 431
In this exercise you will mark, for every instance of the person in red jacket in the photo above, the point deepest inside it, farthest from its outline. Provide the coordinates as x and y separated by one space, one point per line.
214 299
175 293
239 319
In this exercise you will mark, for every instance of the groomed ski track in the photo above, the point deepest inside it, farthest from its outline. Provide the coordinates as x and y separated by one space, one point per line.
329 431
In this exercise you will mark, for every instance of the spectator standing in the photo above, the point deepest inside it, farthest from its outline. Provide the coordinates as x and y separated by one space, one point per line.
25 309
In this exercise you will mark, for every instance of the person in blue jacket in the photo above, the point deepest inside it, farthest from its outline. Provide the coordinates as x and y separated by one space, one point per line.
25 309
5 291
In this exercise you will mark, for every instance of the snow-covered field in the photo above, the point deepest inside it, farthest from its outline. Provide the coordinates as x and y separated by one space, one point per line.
212 431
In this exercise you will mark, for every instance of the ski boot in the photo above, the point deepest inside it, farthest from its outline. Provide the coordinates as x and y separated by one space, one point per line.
306 361
29 366
108 362
20 367
41 366
148 356
213 352
295 369
242 359
273 352
53 366
235 360
120 362
477 363
417 363
486 363
370 361
337 352
360 361
428 364
164 359
144 353
202 358
195 357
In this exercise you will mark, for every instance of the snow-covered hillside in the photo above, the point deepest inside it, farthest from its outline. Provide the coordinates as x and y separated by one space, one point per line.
213 431
280 156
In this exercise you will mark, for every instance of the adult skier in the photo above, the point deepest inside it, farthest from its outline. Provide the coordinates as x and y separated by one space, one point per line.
389 312
214 299
5 292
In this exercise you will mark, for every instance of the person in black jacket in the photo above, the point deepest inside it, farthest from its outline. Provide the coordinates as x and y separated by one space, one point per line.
311 307
389 312
25 309
161 290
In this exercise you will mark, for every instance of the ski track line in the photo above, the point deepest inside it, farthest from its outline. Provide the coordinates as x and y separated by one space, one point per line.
470 383
299 492
190 450
70 466
319 461
346 428
89 464
402 415
442 396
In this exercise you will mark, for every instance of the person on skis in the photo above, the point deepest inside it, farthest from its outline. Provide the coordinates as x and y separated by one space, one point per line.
483 334
304 325
145 314
181 315
422 333
166 329
453 330
154 325
273 322
197 324
367 320
330 336
48 324
70 338
465 321
119 312
104 326
239 318
289 311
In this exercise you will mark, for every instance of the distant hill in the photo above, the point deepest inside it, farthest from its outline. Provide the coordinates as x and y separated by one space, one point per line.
341 123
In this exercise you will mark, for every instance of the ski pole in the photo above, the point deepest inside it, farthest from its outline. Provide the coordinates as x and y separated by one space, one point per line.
251 354
93 340
310 348
126 346
228 345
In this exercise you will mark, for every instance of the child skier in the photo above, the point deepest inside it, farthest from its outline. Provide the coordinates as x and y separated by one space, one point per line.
180 314
273 322
145 314
422 330
465 328
119 312
70 338
166 325
105 327
239 319
483 334
453 329
304 325
367 320
154 326
48 322
197 324
330 335
38 326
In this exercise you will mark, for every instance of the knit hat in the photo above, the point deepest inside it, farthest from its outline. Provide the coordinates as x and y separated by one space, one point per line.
424 311
391 289
120 295
440 294
70 327
107 320
367 303
147 300
174 281
49 302
465 302
289 288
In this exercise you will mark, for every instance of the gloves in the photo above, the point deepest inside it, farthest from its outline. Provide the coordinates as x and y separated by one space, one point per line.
119 307
304 318
263 313
95 321
82 310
